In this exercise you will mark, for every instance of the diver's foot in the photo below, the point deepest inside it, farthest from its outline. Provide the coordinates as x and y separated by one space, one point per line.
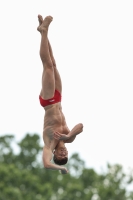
40 19
44 24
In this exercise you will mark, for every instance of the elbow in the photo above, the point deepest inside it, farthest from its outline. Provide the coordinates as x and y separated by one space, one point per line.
46 165
81 127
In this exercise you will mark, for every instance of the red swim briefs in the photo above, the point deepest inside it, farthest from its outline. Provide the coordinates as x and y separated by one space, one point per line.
55 99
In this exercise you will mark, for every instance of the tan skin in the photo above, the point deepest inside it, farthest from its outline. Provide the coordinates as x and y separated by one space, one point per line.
55 130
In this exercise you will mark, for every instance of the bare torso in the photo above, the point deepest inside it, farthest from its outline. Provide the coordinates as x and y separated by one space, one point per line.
54 120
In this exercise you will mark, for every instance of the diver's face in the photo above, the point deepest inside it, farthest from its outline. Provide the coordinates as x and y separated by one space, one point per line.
61 153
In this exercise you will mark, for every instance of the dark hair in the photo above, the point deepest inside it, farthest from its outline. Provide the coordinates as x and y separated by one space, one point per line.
60 162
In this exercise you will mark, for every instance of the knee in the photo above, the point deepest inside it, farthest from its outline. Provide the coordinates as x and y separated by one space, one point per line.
49 70
48 65
47 62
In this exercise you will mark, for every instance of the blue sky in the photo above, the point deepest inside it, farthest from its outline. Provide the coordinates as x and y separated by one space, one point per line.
93 46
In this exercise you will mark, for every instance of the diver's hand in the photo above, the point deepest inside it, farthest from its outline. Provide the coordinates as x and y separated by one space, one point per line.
64 171
59 136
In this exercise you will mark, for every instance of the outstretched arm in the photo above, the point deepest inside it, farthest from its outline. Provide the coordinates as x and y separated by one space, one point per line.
47 157
71 135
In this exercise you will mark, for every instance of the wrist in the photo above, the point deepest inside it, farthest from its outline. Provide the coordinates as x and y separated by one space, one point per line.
68 136
61 168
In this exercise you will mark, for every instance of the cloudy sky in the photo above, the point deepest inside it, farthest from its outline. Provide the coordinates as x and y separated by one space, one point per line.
93 46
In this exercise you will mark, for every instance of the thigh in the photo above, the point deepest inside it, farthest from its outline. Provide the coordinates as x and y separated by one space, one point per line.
58 83
48 83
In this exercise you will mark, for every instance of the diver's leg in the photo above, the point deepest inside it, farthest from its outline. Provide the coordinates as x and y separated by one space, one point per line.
58 83
48 78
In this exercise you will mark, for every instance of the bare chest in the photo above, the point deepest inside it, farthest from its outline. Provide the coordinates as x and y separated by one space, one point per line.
48 135
54 120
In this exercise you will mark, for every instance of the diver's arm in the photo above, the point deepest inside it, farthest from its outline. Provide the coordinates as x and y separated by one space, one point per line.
47 157
74 132
71 135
